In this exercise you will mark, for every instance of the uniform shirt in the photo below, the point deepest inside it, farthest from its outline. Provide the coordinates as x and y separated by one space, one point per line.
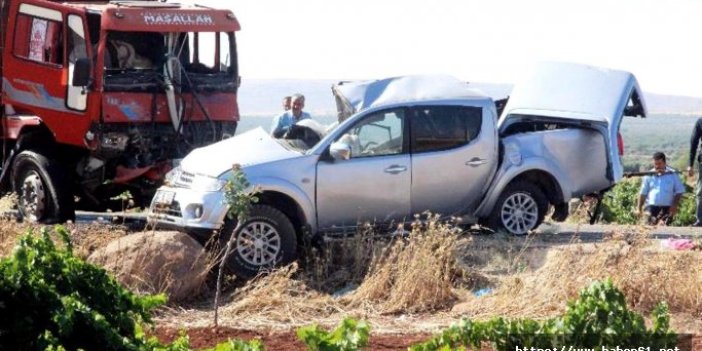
282 122
661 189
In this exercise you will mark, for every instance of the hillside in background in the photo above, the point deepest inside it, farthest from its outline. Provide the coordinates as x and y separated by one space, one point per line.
262 97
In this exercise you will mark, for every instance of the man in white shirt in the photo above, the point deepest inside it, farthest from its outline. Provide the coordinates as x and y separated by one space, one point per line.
285 120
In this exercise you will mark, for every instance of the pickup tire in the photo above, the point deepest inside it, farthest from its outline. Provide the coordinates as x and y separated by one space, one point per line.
43 191
520 208
265 240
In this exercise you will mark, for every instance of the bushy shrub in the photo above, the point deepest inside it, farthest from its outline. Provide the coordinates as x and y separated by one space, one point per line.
52 300
620 202
48 297
350 335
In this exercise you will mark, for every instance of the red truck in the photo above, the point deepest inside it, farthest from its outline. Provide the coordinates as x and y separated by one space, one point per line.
99 97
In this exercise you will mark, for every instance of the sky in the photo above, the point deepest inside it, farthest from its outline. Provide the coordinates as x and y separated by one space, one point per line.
490 41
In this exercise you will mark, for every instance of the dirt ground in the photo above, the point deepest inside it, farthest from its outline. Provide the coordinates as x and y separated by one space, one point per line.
529 277
430 285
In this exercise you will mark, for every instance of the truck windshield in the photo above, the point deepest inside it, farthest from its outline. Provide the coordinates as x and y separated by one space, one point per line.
142 61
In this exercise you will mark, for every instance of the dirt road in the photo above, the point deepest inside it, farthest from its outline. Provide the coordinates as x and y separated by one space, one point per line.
586 230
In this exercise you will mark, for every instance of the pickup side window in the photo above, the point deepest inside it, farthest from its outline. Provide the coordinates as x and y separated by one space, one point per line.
436 128
38 39
378 134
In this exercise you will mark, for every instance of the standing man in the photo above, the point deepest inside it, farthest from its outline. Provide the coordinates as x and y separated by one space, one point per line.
694 143
287 101
661 192
284 121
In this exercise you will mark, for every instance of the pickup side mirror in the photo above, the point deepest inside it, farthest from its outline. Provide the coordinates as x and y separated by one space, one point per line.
340 150
81 73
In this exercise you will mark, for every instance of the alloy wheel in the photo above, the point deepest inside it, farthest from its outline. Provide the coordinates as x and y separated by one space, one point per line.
519 213
258 243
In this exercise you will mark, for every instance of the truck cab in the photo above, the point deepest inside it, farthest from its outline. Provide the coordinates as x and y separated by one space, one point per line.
100 97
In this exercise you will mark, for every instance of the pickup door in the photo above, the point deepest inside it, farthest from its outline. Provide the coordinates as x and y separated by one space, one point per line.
454 155
373 184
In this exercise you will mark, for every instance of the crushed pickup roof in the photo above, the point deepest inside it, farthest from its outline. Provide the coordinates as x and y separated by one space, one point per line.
352 97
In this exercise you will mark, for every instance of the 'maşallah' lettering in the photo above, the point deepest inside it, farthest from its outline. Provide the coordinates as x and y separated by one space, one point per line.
161 18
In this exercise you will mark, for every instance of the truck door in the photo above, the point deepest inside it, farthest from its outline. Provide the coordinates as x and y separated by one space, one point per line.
373 184
45 46
454 156
35 66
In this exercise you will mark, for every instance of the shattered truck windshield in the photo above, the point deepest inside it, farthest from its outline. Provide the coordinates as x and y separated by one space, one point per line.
146 61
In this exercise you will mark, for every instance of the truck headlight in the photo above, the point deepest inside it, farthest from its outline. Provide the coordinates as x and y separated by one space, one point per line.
205 183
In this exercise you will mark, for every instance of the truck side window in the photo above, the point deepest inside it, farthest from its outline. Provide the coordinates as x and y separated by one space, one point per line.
38 39
209 52
437 128
77 46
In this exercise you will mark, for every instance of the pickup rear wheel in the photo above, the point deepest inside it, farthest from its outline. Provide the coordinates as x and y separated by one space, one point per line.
43 192
520 208
265 240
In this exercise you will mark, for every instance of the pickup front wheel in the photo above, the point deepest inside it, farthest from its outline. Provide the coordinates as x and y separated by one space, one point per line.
520 208
265 240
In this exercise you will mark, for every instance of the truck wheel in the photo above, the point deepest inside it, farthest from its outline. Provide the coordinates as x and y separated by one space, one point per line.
267 239
43 193
520 208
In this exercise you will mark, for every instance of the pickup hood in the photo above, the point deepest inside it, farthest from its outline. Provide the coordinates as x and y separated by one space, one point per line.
353 97
250 148
575 91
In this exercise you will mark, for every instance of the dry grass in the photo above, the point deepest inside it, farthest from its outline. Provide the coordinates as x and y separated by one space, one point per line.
87 238
10 231
364 277
279 296
645 272
415 279
342 264
412 275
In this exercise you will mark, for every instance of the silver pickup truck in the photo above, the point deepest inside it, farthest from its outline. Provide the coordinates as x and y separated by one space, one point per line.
408 145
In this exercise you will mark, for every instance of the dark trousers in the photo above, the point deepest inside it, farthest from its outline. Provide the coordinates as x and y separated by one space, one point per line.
698 194
658 215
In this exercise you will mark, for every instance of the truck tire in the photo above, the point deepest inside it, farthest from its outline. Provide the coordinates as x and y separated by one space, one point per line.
265 240
43 192
520 208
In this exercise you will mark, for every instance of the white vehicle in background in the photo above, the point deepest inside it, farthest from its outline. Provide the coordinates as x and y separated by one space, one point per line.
411 144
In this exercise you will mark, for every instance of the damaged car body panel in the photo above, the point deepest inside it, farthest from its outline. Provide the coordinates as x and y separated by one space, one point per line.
194 187
416 144
353 97
558 99
577 95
